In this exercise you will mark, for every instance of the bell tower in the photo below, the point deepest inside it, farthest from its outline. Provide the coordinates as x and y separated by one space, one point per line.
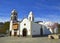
30 16
13 16
13 23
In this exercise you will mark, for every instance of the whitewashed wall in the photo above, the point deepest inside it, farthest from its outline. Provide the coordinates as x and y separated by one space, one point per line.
27 26
10 25
18 32
35 28
12 32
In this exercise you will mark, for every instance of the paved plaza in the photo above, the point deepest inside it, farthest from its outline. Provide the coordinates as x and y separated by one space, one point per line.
28 40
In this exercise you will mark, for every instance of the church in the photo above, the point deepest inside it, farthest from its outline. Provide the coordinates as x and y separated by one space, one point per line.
27 26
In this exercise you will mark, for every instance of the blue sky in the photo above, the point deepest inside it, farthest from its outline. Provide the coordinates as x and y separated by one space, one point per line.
43 10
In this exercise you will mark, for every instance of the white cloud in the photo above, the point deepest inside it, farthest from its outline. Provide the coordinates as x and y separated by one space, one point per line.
4 19
19 19
41 19
51 19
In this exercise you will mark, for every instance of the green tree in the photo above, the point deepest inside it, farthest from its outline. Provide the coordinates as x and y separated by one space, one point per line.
6 26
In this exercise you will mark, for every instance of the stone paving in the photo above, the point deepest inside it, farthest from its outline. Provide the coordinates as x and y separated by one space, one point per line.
28 40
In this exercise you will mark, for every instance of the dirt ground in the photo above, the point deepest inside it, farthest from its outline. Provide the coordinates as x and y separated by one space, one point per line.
28 40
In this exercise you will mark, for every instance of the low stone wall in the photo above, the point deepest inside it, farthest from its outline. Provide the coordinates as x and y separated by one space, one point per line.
54 36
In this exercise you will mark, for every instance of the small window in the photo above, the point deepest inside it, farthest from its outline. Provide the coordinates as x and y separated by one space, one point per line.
24 24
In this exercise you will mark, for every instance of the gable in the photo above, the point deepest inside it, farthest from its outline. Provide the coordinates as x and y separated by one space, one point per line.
25 20
25 23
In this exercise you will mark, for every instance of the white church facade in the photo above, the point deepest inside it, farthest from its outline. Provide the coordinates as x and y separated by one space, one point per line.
26 27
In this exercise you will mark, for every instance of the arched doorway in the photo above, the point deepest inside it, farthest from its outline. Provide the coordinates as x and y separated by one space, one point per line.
41 31
15 33
10 33
24 32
